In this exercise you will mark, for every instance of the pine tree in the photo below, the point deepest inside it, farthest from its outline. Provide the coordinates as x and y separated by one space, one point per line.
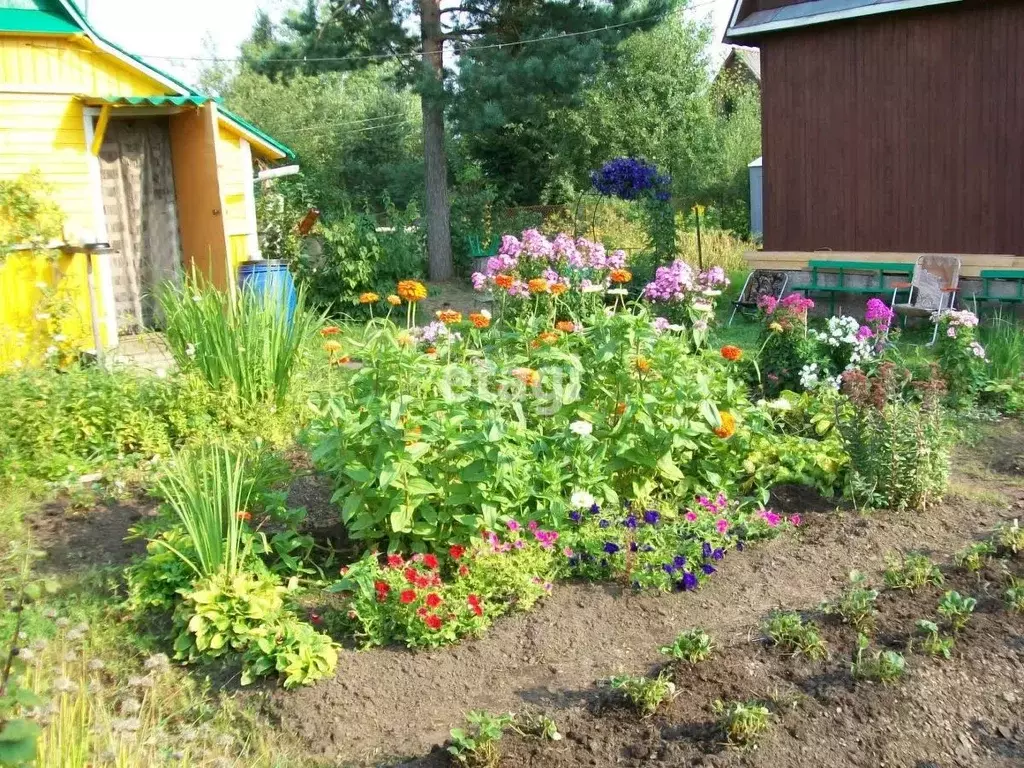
521 55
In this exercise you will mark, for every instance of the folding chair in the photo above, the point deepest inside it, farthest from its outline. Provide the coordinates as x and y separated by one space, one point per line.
932 289
760 282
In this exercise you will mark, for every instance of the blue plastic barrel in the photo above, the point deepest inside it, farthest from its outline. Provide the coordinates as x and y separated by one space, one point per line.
269 277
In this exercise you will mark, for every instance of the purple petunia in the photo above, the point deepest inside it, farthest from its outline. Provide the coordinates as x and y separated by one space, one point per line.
689 581
595 509
668 568
630 522
718 554
611 547
708 569
603 524
706 549
679 561
575 516
651 517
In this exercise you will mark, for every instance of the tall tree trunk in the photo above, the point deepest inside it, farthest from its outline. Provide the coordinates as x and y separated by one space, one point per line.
439 235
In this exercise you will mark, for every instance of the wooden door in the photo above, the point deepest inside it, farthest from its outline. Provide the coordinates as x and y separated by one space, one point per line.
140 206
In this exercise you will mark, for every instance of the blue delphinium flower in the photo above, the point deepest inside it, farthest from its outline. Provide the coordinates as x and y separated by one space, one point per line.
629 178
679 561
708 568
689 581
611 547
630 522
718 554
651 517
603 524
575 516
706 549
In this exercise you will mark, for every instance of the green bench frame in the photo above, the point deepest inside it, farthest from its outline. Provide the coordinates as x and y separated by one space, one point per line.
989 276
477 251
845 268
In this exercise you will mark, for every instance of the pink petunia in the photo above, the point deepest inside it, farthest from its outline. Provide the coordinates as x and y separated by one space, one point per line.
722 525
691 516
795 519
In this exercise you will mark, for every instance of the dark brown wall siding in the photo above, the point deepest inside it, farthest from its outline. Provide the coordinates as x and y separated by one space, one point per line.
899 133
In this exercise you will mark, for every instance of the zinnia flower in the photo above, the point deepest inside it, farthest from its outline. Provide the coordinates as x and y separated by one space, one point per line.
557 289
383 588
620 276
330 330
566 326
433 621
368 298
528 376
504 281
395 561
620 408
394 300
449 316
479 320
332 346
538 285
643 365
731 353
430 561
412 290
728 428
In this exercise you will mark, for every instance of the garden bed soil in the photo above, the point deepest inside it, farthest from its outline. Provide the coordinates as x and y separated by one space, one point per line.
386 706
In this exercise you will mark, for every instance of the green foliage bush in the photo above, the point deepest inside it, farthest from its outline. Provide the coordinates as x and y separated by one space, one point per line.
27 213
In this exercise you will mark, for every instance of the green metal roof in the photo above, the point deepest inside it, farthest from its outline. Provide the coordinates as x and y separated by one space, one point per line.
156 101
245 124
36 16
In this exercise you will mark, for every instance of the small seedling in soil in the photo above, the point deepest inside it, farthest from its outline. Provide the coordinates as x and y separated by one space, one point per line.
911 571
884 667
541 726
742 722
1008 538
957 609
1014 595
646 694
974 557
477 745
792 634
691 646
933 643
856 606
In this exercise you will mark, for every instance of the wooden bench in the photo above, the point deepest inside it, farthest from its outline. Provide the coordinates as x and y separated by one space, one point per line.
877 271
1011 277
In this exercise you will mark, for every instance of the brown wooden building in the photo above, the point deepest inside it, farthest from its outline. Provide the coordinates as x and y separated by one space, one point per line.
890 125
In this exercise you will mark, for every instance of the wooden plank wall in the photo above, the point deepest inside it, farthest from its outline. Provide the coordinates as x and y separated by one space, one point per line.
901 132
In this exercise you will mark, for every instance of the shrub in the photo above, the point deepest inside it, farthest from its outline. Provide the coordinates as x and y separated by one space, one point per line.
245 347
692 646
791 633
899 449
911 571
742 722
645 693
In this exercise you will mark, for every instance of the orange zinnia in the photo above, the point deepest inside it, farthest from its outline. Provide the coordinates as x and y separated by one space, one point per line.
449 316
731 353
620 408
394 300
728 428
620 275
548 337
643 364
479 320
566 326
557 289
345 360
538 285
330 330
431 350
332 346
369 298
504 281
412 290
528 376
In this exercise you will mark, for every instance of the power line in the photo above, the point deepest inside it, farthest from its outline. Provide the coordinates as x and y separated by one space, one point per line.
418 53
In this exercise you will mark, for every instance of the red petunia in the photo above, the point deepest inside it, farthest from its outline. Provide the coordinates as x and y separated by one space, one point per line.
456 551
421 611
433 600
432 621
430 561
474 604
422 582
473 599
395 561
382 590
463 570
408 596
477 610
411 575
435 581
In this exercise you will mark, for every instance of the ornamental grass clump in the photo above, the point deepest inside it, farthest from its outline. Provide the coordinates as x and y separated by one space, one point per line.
899 448
247 346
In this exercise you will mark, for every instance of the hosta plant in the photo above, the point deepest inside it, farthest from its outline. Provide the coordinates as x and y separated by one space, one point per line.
691 646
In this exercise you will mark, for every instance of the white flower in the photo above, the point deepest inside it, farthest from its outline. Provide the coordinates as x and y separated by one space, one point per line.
51 350
42 286
593 289
617 292
581 500
485 313
190 350
43 316
582 428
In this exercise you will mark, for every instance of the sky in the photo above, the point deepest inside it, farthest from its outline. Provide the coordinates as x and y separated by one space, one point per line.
188 28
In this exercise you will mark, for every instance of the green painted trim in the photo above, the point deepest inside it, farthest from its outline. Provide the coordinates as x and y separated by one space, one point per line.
246 125
156 101
35 22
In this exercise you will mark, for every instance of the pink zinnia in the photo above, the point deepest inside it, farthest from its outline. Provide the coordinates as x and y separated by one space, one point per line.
722 525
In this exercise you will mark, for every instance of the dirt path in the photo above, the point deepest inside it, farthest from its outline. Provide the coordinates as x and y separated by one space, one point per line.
389 703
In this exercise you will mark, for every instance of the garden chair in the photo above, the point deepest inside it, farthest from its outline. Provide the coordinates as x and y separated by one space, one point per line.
932 289
760 282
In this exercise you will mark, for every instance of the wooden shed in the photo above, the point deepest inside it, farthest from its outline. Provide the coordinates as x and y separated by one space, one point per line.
890 126
134 157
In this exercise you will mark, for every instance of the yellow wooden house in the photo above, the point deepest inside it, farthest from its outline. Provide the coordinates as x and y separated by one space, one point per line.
134 158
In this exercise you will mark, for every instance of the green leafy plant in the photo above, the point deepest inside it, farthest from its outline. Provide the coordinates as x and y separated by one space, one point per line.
934 643
539 725
791 633
884 666
246 346
974 557
956 609
1014 595
899 443
1008 538
28 215
692 646
856 606
645 693
911 571
742 722
477 744
962 359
